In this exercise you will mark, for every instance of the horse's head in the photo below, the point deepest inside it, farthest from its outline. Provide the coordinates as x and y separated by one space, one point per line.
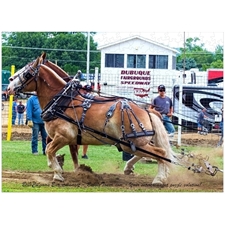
21 81
29 78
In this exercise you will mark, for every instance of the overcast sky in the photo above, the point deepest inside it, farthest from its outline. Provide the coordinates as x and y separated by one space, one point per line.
172 39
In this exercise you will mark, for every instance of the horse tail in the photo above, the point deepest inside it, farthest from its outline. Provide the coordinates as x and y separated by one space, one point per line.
161 138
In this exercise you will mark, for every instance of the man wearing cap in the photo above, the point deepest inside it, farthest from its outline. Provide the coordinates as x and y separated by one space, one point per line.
79 76
164 105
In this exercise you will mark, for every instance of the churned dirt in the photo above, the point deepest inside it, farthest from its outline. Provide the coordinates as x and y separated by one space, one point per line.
85 177
184 180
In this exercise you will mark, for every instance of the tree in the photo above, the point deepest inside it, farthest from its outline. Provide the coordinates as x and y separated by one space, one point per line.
196 56
67 49
189 63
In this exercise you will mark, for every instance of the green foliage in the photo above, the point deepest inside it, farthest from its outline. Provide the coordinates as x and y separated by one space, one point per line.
67 49
194 55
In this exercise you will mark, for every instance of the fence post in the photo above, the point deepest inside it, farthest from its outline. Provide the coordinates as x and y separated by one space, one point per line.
96 79
9 129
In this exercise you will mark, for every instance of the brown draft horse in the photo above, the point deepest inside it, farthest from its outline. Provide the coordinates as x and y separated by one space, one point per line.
67 78
71 118
73 148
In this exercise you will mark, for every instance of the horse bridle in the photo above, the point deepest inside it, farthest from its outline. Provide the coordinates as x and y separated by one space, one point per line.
26 77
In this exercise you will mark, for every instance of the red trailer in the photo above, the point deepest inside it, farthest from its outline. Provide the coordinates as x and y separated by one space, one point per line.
215 75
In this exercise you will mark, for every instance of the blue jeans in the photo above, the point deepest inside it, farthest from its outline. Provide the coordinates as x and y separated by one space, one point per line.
38 127
13 118
200 126
168 124
221 127
20 118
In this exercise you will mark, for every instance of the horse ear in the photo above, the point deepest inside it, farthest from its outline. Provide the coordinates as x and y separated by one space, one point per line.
43 55
36 63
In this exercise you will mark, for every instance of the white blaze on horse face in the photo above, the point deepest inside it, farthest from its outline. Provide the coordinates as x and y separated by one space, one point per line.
15 81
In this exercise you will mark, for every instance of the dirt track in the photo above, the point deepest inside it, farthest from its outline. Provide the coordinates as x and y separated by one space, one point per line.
194 139
187 180
84 177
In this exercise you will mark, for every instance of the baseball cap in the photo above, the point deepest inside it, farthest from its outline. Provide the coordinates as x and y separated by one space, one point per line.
161 87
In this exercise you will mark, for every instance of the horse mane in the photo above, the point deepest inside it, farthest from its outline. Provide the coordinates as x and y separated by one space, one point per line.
62 73
48 78
58 68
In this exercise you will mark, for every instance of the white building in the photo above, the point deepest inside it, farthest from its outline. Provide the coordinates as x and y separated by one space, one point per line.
135 66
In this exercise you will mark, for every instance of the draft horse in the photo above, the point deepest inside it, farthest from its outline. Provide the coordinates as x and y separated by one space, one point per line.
67 78
72 118
73 148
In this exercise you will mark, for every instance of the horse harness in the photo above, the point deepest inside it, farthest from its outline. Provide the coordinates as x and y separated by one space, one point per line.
57 106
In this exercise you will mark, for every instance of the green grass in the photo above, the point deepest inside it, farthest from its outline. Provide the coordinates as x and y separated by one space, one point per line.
16 156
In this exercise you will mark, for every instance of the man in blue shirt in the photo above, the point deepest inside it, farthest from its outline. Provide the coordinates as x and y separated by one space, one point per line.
14 111
163 104
35 121
80 76
200 120
20 110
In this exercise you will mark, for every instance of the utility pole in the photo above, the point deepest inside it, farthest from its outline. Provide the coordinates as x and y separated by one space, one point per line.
88 55
181 97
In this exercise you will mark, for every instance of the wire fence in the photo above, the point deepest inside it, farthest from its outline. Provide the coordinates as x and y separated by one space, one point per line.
188 95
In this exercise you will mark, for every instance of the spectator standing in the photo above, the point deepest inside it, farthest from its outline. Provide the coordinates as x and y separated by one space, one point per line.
20 110
35 121
14 111
200 120
84 152
163 104
79 76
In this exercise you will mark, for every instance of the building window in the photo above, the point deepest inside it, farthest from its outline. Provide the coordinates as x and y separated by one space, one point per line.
158 62
136 61
114 60
174 62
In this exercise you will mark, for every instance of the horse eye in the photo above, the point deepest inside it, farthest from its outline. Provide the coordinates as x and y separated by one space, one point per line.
27 75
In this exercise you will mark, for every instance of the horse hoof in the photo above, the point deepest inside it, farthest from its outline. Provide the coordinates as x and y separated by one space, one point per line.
58 177
157 181
128 172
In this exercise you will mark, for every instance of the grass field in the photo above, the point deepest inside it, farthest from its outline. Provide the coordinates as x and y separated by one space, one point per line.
16 156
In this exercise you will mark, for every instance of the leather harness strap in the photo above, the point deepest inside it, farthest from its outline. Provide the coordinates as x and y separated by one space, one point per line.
71 120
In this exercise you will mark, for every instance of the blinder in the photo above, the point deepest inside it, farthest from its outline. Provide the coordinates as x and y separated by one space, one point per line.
26 77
